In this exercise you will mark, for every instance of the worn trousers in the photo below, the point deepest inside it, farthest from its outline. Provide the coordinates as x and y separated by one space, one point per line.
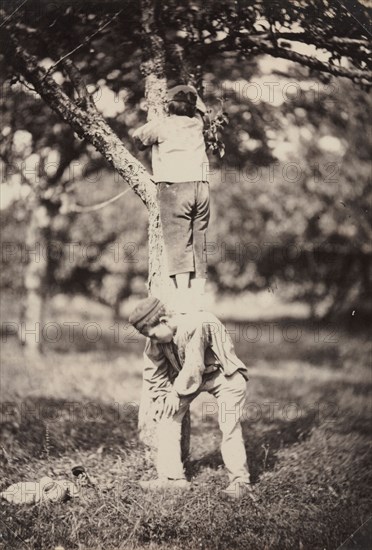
184 215
230 392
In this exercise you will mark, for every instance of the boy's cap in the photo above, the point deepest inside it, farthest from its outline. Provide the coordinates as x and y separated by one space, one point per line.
187 94
144 311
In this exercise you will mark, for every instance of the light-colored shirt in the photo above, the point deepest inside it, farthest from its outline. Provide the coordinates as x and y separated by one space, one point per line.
178 148
182 363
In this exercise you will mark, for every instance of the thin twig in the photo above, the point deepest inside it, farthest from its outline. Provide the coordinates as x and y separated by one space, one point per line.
31 88
11 15
86 41
353 16
80 209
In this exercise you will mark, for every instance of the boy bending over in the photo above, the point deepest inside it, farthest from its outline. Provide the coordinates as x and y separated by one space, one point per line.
185 355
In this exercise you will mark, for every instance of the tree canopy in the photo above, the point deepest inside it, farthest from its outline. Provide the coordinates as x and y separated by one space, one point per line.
88 61
195 31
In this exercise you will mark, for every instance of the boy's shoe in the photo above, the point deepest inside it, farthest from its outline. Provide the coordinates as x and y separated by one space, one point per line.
161 484
238 490
184 302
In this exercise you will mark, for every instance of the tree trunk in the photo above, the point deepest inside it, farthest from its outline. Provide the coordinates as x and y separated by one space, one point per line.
35 280
153 69
160 285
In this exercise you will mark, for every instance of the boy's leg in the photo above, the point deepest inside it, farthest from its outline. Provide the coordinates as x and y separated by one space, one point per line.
176 203
199 229
198 284
230 392
182 281
169 461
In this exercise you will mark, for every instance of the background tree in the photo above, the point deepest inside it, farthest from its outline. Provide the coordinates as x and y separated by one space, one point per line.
37 152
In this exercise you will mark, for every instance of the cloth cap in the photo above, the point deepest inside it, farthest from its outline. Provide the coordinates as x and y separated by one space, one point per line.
188 94
144 311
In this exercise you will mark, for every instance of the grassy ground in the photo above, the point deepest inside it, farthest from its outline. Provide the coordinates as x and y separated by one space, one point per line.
307 429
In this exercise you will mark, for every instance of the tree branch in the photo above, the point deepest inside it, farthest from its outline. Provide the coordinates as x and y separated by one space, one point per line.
79 208
153 64
256 44
77 81
307 38
87 123
364 77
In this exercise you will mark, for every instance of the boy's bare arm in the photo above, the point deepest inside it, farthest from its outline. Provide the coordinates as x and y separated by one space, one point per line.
146 135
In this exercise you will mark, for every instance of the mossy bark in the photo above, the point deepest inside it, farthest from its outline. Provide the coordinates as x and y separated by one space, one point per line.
153 69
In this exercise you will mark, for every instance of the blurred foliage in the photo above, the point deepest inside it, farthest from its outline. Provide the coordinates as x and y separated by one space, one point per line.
292 206
104 252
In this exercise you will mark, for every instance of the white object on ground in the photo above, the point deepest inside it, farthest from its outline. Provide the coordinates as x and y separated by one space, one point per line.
44 490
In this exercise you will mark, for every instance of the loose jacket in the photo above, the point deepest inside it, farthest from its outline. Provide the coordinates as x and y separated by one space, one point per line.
200 344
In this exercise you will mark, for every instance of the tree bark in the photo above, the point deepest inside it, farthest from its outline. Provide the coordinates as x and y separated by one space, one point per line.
160 285
153 70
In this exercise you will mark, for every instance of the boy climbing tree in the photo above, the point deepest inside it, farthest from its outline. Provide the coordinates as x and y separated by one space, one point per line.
180 163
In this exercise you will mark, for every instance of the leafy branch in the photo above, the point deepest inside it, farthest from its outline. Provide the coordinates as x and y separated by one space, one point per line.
215 127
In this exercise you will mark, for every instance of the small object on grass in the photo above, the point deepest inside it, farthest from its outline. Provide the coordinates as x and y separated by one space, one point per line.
78 470
44 490
83 478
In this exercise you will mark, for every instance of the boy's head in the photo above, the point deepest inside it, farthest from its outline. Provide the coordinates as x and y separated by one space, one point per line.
150 318
184 101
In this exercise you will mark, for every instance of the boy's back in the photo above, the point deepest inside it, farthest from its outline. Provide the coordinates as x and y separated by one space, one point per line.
178 152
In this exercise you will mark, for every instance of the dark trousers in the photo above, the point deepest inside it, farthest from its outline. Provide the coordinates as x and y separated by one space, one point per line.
184 214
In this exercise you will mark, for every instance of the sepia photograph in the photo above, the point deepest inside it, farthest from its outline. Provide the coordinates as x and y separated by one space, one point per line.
186 275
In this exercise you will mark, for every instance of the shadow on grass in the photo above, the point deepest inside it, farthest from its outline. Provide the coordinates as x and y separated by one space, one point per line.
262 445
40 427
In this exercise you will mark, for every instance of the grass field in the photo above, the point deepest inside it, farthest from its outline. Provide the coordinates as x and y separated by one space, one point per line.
306 428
